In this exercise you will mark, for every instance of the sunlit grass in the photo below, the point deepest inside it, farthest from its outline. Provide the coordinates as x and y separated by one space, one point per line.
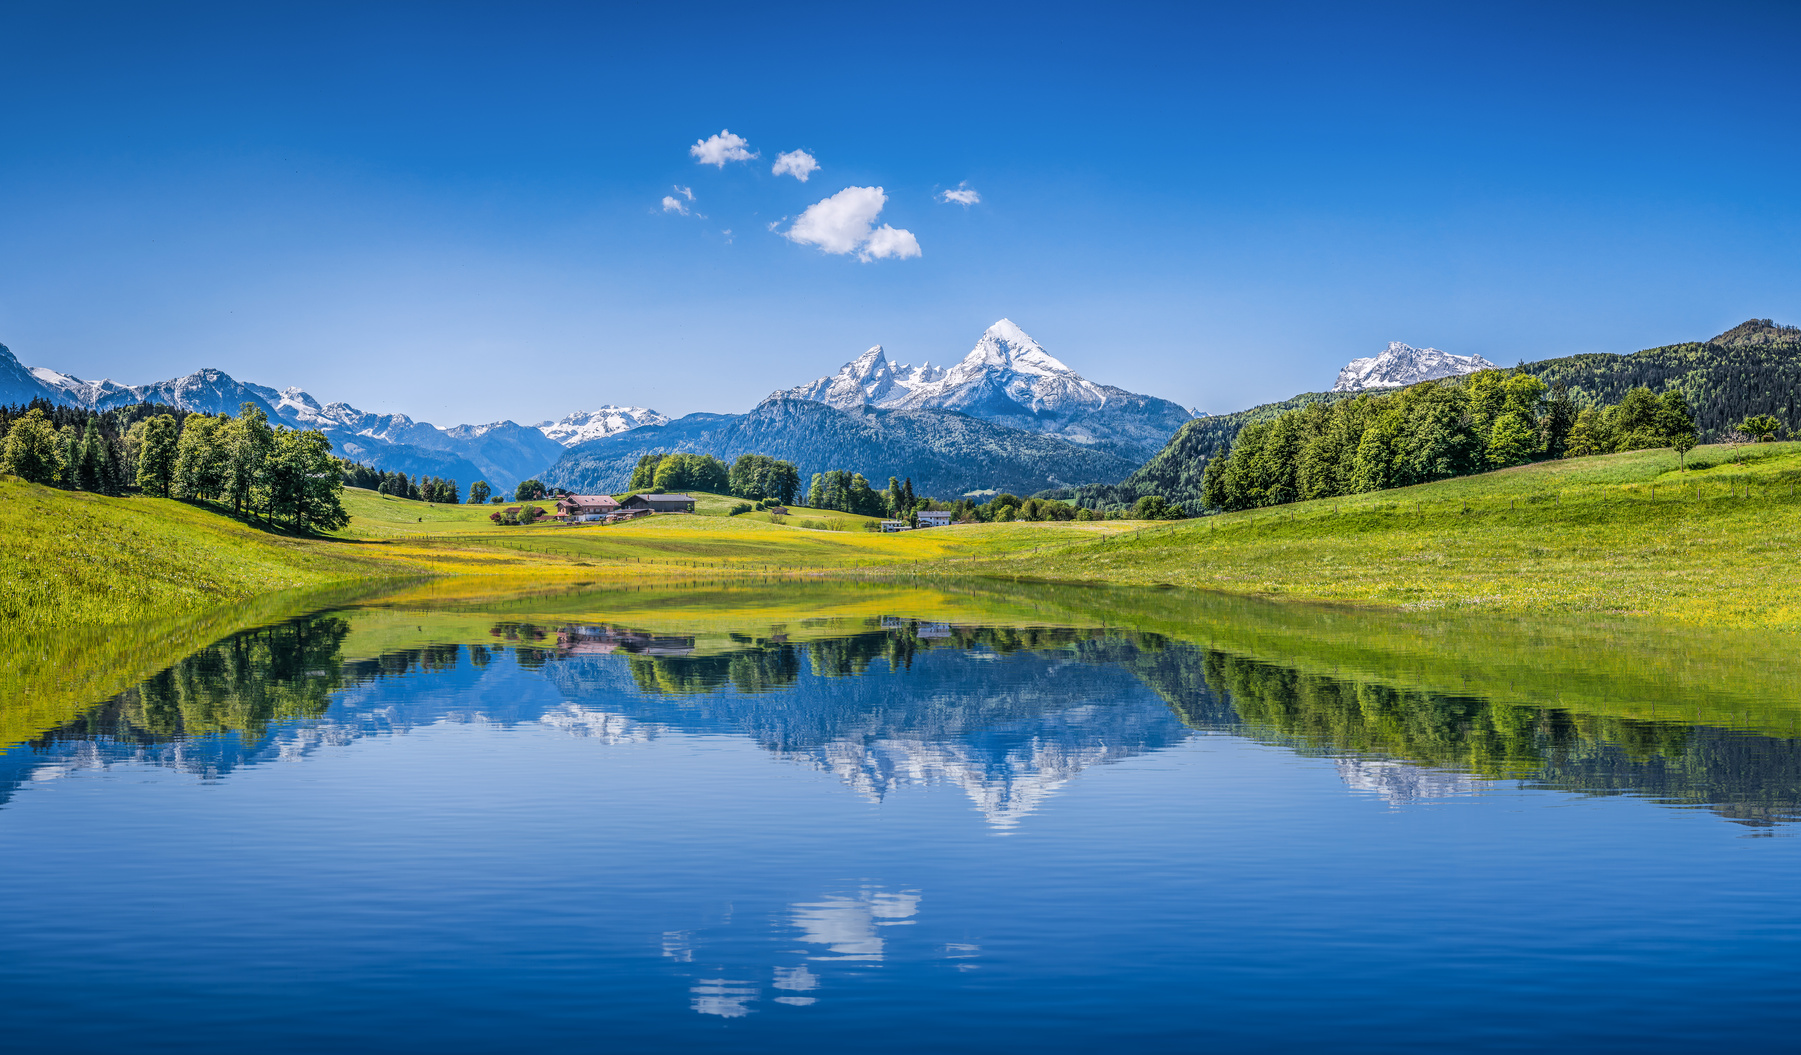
1626 534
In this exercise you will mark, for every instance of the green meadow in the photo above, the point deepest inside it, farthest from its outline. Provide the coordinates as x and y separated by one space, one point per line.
1625 534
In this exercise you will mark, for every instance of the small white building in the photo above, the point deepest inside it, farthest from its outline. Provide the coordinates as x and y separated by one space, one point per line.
896 525
935 518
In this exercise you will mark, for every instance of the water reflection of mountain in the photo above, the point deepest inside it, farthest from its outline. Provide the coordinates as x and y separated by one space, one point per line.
1009 715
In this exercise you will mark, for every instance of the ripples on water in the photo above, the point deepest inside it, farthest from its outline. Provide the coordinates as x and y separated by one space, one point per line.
396 830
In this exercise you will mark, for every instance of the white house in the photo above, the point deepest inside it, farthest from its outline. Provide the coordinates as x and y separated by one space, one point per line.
935 518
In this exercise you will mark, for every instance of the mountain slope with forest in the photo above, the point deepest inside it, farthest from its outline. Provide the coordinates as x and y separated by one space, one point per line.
1753 368
945 453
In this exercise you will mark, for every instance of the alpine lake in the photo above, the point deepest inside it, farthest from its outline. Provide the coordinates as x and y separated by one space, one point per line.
776 816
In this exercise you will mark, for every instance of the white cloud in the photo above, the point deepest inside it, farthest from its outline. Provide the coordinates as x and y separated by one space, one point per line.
719 149
886 241
961 194
671 203
842 224
796 163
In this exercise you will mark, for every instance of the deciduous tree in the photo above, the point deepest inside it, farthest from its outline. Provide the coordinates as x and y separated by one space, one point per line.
33 449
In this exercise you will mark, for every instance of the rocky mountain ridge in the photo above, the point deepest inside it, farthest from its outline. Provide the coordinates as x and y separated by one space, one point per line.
1008 379
1402 364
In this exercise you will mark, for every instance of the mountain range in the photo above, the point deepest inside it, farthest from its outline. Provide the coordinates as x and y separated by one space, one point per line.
1008 416
502 452
1403 364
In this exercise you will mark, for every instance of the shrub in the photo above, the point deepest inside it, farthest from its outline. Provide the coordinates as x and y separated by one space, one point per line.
741 507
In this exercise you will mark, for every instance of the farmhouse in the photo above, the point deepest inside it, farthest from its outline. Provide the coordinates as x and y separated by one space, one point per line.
585 505
659 503
935 518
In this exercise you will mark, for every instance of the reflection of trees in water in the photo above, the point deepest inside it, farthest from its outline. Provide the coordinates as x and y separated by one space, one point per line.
1752 778
756 670
241 684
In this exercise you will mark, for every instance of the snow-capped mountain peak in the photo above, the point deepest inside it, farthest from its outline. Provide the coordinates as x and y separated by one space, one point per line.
1004 346
1402 364
1006 362
1010 379
595 424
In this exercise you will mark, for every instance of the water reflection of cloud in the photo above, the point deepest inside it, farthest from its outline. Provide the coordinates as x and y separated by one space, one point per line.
725 997
1401 783
796 980
846 926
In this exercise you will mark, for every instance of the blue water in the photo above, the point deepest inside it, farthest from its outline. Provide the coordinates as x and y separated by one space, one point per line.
951 848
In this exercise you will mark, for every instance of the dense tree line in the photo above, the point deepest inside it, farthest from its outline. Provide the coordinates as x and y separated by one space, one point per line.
88 450
1005 507
400 485
753 476
1429 431
284 475
1750 370
758 477
846 492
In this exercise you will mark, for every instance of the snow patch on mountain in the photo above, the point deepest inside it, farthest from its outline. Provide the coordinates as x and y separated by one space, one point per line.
604 421
86 393
1402 364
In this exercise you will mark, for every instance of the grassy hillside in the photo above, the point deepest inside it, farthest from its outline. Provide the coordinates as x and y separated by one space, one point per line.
71 558
68 558
1625 534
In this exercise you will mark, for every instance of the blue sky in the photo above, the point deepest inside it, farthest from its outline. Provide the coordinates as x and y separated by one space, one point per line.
456 210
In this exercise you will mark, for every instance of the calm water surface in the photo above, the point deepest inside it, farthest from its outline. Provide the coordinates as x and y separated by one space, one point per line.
455 828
